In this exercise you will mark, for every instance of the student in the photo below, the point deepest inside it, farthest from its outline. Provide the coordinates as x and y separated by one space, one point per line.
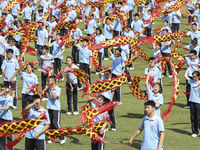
42 35
2 53
47 61
149 26
193 46
77 33
29 80
9 69
165 26
71 87
107 32
35 138
27 13
154 95
9 17
58 50
195 33
168 18
176 20
40 16
153 127
191 60
118 68
190 8
91 26
98 39
166 51
6 103
102 132
51 25
85 57
11 46
108 96
53 106
157 50
117 26
194 100
131 7
128 32
155 72
137 25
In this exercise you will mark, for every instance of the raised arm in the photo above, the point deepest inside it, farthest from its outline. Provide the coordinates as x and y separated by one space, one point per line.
147 82
186 74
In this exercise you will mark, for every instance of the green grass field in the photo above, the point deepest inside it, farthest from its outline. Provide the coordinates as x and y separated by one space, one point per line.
131 112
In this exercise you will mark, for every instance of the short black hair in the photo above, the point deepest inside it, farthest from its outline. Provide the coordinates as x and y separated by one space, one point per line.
150 102
120 3
119 49
4 85
86 40
195 41
9 51
70 57
194 24
165 21
40 11
99 29
165 30
151 58
52 77
45 47
34 97
193 52
137 14
159 44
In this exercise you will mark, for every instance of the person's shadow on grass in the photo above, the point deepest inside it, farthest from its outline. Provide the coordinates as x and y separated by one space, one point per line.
137 145
179 131
133 115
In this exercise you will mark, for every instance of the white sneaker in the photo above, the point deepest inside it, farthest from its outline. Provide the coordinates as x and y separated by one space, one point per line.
131 68
163 76
49 142
113 129
68 113
0 75
128 68
80 88
170 76
39 69
195 135
99 23
85 29
45 99
97 73
187 107
63 141
129 82
106 58
62 79
14 107
76 113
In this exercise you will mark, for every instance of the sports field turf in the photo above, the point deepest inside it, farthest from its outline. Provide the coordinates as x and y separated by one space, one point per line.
131 112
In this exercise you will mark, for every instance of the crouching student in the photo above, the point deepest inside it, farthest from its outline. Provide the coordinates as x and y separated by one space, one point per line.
154 95
153 127
102 132
35 138
6 103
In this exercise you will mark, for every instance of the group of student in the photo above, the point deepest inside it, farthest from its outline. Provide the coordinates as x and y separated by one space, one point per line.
50 55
